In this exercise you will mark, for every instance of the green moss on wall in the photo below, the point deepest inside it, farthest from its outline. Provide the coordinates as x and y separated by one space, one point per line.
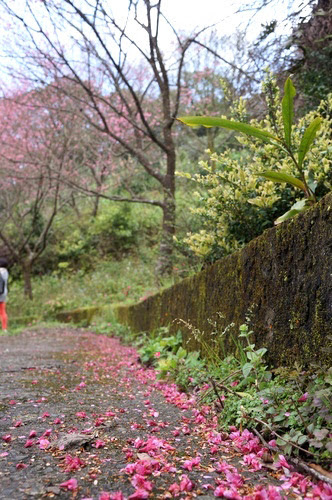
82 316
23 320
283 277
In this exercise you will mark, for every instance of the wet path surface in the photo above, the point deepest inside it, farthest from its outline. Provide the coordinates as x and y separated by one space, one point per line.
81 418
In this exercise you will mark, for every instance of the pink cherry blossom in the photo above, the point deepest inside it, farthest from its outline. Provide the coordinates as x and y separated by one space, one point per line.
44 444
73 463
21 465
252 461
222 492
189 464
81 414
111 496
29 443
322 491
303 398
99 443
70 485
139 495
174 489
186 484
139 482
282 462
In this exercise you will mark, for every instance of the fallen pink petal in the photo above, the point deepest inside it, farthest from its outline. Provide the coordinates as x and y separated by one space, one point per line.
70 485
161 441
21 466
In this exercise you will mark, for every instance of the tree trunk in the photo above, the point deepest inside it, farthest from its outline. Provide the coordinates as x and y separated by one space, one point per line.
95 208
164 265
26 268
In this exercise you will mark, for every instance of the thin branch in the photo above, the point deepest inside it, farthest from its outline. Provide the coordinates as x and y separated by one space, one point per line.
218 56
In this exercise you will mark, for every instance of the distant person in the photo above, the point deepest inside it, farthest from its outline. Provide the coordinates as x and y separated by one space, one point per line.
3 293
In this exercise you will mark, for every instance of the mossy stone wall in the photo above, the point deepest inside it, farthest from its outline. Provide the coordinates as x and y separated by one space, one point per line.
284 277
81 315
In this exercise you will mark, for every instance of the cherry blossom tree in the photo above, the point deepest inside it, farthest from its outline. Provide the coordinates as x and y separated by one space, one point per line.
121 81
34 151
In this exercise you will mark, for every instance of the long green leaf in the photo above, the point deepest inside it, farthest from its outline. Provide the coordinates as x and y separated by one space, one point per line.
271 175
308 138
288 215
287 105
297 208
211 121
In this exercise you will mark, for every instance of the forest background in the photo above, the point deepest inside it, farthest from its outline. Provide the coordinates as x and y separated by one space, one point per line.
105 196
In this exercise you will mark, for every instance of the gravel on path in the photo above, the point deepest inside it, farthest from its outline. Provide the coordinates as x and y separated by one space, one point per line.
81 418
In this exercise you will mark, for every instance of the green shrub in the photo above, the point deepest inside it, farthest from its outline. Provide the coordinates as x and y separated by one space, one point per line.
236 203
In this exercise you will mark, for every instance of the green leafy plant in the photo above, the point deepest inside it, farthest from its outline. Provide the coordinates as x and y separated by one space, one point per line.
283 141
160 346
255 356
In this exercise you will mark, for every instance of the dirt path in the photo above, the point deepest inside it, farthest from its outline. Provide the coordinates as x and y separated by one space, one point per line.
80 418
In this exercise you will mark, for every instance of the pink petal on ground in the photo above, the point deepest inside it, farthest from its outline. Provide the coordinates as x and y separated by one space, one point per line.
73 463
81 414
104 496
261 493
174 489
282 462
7 438
253 462
115 496
99 443
222 492
141 483
44 444
21 466
139 495
322 491
71 484
186 484
29 443
189 464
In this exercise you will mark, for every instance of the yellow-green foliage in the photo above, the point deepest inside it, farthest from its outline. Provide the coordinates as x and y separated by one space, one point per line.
235 203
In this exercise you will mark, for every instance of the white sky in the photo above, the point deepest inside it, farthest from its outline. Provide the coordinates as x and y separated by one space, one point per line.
191 15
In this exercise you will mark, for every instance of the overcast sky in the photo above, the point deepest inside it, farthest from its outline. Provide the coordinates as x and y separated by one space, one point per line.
185 15
189 14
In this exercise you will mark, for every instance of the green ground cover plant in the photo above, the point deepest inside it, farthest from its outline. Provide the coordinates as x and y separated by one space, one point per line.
289 409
